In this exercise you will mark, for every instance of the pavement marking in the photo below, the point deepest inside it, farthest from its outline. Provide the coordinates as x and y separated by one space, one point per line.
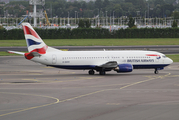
108 85
57 101
145 81
48 67
174 76
73 98
96 86
56 80
174 68
162 76
83 95
111 89
12 109
113 103
32 80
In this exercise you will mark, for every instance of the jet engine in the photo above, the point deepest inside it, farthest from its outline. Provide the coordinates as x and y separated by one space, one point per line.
124 68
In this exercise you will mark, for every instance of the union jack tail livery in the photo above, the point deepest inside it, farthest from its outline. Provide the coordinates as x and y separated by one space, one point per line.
35 45
33 40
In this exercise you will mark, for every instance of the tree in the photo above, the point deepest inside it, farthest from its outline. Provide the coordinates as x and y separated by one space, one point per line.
174 24
161 2
106 3
81 24
167 12
175 15
131 22
98 3
87 23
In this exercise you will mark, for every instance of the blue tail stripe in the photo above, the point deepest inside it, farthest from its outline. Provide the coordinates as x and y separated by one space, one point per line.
32 42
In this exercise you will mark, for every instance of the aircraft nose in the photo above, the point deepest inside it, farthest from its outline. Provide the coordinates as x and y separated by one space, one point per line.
170 61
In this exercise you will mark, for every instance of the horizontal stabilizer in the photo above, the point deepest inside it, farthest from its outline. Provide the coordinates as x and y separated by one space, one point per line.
15 52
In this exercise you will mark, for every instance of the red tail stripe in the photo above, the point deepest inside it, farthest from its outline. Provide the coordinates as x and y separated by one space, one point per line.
28 31
29 56
39 50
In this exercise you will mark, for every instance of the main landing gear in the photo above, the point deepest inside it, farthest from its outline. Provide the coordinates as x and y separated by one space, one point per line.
156 71
91 72
102 72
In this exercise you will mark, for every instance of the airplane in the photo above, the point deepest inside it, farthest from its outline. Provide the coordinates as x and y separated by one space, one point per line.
94 61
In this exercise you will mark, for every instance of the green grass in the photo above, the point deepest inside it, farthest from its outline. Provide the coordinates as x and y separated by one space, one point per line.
96 42
175 58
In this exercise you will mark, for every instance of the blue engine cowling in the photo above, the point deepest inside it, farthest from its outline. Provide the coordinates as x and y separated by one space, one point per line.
124 68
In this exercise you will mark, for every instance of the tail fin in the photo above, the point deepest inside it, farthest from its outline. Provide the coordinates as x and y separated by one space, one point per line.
33 40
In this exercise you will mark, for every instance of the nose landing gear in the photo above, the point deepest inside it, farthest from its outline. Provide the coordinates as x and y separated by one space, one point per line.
156 71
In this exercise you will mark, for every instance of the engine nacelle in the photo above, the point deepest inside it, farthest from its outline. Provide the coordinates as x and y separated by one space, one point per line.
124 68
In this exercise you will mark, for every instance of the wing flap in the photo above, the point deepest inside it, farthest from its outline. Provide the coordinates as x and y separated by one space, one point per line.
110 64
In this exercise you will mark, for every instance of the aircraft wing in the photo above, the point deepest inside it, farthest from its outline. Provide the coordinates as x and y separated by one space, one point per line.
110 64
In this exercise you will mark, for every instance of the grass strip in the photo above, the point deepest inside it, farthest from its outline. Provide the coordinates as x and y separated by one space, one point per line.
175 58
96 42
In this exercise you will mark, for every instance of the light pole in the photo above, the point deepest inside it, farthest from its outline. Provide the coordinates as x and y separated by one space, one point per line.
68 17
75 17
110 18
103 18
106 19
148 8
98 17
113 18
145 18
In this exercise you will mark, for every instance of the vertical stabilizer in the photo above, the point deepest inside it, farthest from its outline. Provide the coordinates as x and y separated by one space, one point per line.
33 40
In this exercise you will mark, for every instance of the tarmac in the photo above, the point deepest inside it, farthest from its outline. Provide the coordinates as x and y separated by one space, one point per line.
30 91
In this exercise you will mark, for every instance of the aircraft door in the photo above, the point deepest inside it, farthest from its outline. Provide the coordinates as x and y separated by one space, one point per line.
54 59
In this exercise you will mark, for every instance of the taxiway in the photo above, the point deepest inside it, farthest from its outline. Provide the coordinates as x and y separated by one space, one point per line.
32 91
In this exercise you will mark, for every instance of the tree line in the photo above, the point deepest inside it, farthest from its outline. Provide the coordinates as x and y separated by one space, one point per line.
91 33
118 8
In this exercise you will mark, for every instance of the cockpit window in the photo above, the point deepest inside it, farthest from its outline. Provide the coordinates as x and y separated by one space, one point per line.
164 56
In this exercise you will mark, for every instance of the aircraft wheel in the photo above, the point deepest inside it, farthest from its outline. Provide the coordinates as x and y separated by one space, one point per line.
156 71
91 72
102 72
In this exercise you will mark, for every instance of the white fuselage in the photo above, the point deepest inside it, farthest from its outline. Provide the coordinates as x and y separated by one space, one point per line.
89 59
